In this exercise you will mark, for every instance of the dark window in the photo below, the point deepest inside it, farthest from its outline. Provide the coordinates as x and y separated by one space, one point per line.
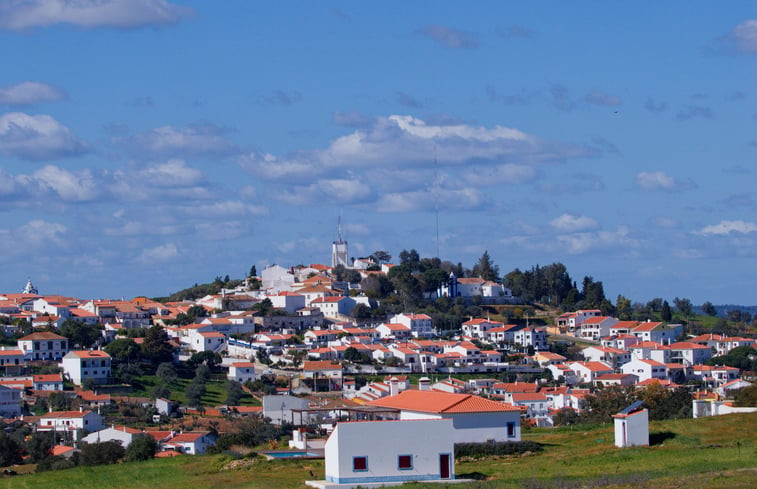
49 345
511 430
405 462
359 463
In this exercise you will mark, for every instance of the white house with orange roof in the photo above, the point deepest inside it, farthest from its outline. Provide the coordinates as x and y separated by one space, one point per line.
399 452
11 358
588 371
71 421
504 333
650 350
622 341
394 330
334 306
658 332
47 382
715 375
623 327
474 418
616 379
645 369
615 357
43 346
544 358
84 316
571 321
288 301
596 327
530 336
191 442
420 324
478 327
79 365
689 353
242 372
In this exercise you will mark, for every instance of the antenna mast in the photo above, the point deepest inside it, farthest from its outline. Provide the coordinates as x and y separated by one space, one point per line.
436 200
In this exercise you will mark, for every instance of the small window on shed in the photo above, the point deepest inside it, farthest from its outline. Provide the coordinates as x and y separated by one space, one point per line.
405 462
359 463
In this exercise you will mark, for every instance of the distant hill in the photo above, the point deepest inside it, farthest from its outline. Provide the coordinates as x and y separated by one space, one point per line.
724 309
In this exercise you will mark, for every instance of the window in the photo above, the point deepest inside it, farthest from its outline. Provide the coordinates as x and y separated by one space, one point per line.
511 430
359 464
405 462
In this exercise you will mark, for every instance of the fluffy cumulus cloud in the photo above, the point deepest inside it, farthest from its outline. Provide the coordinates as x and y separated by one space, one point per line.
37 138
659 180
160 253
24 14
743 37
570 223
450 37
191 140
29 93
69 186
391 158
724 228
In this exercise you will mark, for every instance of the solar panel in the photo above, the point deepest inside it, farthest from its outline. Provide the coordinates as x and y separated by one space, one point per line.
633 407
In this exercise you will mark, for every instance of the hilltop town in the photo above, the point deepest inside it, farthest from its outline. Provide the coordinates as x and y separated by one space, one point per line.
291 353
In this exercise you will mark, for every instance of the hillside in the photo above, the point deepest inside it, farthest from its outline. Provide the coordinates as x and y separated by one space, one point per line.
717 452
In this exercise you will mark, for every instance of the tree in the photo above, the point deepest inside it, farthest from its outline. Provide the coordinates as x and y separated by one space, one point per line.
746 397
623 308
209 358
709 309
10 450
683 305
233 393
381 257
565 417
166 373
160 391
194 392
123 349
361 311
127 372
142 447
156 347
105 453
665 313
82 334
253 272
485 268
410 259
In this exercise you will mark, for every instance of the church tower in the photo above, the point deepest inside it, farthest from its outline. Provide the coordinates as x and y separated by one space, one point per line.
339 248
30 288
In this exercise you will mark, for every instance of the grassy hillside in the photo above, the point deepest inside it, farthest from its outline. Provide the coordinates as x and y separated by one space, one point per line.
717 452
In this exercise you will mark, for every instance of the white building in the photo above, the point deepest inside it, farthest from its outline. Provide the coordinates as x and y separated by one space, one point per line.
85 364
242 372
532 337
645 369
43 346
632 427
276 278
474 418
420 324
10 402
291 302
70 421
398 452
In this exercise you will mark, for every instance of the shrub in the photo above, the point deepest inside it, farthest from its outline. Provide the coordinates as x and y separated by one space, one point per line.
493 448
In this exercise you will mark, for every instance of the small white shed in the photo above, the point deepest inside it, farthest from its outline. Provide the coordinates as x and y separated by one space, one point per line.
632 426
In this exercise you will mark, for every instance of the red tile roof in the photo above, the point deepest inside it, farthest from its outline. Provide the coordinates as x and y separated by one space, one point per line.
441 402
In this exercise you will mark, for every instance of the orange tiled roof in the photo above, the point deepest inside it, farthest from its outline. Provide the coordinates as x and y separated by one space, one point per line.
441 402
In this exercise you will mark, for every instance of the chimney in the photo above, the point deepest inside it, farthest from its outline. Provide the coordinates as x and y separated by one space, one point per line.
394 386
81 408
424 384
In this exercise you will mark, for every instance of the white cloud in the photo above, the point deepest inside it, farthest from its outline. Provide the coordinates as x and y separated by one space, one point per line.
37 137
159 253
192 140
69 186
336 190
401 141
580 243
449 37
458 199
507 173
658 180
571 223
29 93
38 233
24 14
665 222
743 37
727 227
172 173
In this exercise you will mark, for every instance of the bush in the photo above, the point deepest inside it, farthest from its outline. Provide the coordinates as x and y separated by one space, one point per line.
108 452
492 448
142 447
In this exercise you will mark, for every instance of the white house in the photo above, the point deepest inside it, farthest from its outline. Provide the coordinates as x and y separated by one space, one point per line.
645 369
43 346
334 306
291 302
121 434
85 364
596 327
588 371
658 332
615 357
394 330
474 418
689 353
242 372
191 442
276 278
398 452
70 421
535 338
47 382
420 324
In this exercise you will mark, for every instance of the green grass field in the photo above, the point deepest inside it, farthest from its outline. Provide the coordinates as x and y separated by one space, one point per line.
215 394
717 452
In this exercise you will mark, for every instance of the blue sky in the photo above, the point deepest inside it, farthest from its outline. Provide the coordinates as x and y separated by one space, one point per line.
146 145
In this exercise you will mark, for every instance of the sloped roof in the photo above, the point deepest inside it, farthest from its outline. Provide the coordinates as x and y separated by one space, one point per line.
441 402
